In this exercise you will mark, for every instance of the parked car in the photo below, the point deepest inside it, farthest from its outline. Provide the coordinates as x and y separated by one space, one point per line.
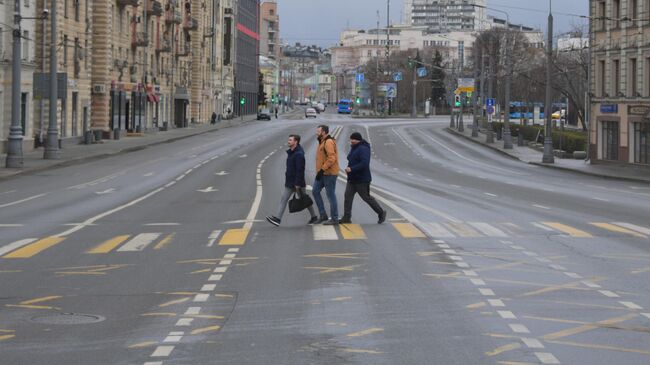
264 114
311 113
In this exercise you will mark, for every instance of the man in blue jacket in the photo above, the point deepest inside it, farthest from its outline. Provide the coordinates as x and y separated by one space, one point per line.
359 179
294 180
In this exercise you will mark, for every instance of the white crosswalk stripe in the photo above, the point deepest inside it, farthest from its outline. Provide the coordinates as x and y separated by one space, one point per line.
634 227
488 230
438 230
325 233
139 242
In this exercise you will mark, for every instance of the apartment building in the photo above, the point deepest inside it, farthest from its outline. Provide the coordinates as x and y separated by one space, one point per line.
28 66
443 16
247 60
619 127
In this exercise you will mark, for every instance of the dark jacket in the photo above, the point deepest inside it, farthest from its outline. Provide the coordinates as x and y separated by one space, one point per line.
359 162
295 174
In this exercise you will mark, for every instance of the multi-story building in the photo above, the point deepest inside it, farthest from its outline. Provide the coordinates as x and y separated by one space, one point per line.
247 61
269 29
619 127
443 16
300 66
28 66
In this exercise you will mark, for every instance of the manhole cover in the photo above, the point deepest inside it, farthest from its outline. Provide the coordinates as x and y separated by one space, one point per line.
68 318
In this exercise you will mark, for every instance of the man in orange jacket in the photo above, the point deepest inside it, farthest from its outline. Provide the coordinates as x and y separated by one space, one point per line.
327 170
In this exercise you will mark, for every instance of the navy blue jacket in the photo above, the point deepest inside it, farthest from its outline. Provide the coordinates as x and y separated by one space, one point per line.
359 163
295 173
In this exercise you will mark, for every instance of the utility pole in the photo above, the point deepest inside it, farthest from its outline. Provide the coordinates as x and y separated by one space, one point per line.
144 67
475 94
15 147
377 69
548 138
414 105
491 68
507 135
388 68
52 151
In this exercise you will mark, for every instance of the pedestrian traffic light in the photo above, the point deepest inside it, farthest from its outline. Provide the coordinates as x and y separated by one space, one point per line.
358 100
242 101
410 62
457 101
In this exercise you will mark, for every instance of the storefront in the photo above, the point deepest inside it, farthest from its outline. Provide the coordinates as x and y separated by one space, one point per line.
621 133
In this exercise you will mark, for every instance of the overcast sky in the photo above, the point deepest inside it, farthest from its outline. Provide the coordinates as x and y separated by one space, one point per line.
321 21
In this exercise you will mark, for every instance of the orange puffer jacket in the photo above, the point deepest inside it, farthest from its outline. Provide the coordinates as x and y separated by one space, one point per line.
327 157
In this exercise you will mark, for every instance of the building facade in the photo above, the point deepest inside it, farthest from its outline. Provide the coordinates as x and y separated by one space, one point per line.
28 66
269 30
247 60
443 16
619 127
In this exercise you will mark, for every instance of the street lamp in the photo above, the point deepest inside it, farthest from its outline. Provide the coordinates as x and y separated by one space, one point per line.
52 151
548 138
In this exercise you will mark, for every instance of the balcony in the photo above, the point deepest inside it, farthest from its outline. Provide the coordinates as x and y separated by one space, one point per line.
154 8
164 46
271 30
184 50
190 24
139 39
173 16
123 3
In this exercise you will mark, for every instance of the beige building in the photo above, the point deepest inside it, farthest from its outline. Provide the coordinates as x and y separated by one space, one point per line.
619 128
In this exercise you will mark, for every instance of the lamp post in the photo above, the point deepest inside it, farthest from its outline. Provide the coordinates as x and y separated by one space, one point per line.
548 138
52 151
15 147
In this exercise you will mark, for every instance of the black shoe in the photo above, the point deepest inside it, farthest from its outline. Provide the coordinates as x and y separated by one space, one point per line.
322 219
313 220
345 220
382 217
274 220
332 222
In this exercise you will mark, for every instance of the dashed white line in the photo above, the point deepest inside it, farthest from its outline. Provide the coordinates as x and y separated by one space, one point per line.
462 264
220 269
22 200
486 292
532 343
591 284
507 315
541 206
519 328
208 287
497 303
609 293
631 305
193 311
573 275
215 277
478 282
184 322
490 194
229 256
162 351
172 338
470 273
225 262
647 315
201 298
547 358
234 250
557 267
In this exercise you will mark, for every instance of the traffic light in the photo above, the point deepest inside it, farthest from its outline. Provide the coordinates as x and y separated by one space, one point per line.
242 101
457 101
410 62
358 100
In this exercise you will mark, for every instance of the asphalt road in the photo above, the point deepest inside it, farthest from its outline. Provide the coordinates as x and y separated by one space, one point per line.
162 256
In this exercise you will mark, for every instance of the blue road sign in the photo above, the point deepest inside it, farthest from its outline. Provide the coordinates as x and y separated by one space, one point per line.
422 72
361 77
489 102
397 76
490 109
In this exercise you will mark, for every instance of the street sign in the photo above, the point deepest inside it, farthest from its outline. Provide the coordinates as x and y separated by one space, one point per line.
490 110
457 91
422 72
490 102
466 85
389 89
397 76
361 77
42 85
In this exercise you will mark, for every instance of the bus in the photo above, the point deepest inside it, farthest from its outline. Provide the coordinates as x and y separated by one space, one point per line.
345 106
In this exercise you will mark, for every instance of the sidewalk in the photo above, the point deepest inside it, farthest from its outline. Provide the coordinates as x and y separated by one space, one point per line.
534 157
77 153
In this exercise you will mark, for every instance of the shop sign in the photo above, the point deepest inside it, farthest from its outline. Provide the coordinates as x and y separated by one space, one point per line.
642 110
609 108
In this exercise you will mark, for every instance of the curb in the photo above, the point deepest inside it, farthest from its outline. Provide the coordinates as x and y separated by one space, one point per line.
556 167
75 161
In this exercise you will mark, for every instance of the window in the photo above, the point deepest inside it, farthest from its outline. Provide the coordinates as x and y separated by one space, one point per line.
646 73
616 12
65 8
77 9
601 78
1 43
65 50
633 10
616 78
610 141
25 45
642 143
632 78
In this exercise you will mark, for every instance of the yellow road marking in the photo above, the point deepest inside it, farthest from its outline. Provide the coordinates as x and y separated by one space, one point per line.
205 329
182 293
109 245
338 255
7 331
369 331
546 289
172 302
165 241
327 270
504 348
94 270
408 230
6 337
227 296
34 248
341 299
610 326
362 351
571 231
601 347
234 237
462 230
162 314
589 305
41 300
618 229
10 271
352 232
586 328
514 363
206 316
143 344
476 305
201 271
27 306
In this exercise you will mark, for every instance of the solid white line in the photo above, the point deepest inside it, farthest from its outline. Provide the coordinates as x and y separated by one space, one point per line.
208 287
192 311
162 351
496 303
184 322
532 343
201 298
519 328
22 200
16 245
543 260
139 242
541 206
547 358
324 233
631 305
507 315
488 230
609 294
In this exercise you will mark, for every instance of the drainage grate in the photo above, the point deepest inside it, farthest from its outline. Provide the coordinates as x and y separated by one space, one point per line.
67 318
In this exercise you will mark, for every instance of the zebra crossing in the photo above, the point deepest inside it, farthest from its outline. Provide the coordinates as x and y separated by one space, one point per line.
141 242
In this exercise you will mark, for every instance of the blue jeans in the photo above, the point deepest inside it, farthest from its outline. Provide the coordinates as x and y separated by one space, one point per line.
329 183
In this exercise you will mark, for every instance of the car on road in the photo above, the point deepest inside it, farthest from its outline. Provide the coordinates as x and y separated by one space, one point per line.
311 113
345 107
320 107
264 114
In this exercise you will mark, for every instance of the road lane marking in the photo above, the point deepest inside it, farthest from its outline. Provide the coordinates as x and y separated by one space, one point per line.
507 315
492 195
497 303
109 245
519 328
541 226
209 287
369 331
618 229
11 225
173 338
173 302
235 237
216 277
532 343
488 230
22 200
161 224
162 351
541 206
220 269
462 230
505 348
139 242
634 227
438 230
547 358
609 294
199 331
16 245
324 233
234 250
573 275
184 322
352 232
192 311
34 248
165 241
590 284
408 230
199 298
213 237
486 292
478 282
571 231
632 305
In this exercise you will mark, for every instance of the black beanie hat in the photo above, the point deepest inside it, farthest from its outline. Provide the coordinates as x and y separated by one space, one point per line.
356 136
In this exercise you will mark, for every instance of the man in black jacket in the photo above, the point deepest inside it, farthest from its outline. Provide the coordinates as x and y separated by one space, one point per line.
359 179
294 182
